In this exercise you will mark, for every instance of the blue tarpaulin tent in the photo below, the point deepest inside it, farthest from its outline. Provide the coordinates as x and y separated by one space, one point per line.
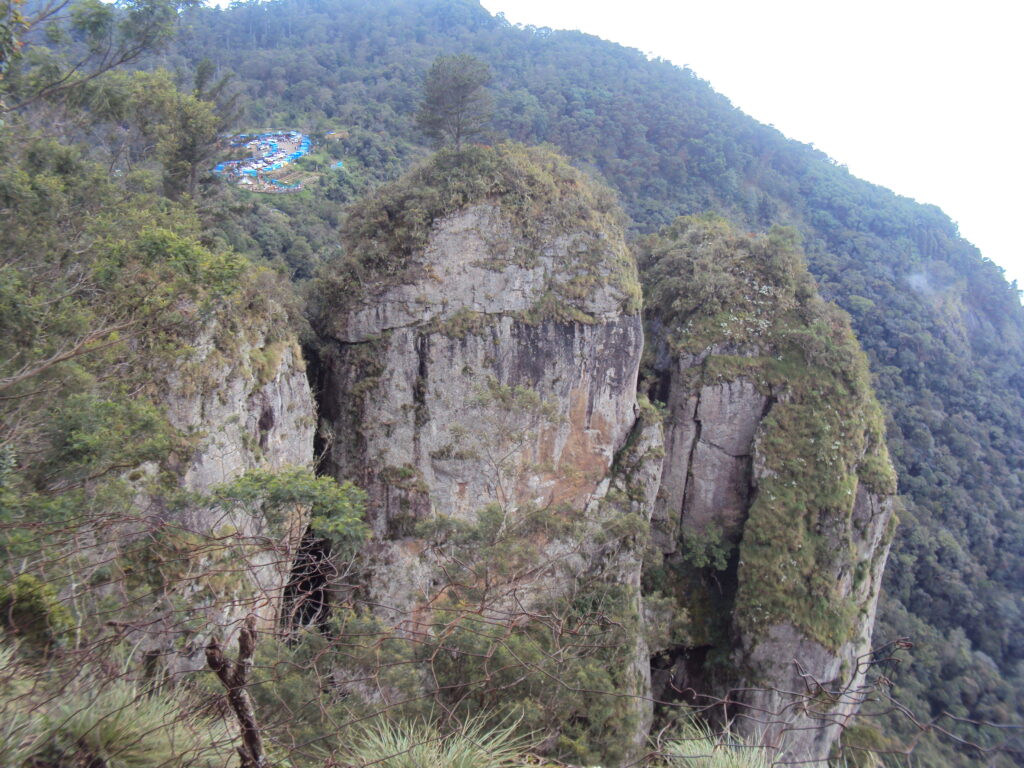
269 145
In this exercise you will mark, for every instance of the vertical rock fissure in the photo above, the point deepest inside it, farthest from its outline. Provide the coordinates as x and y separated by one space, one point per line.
316 375
690 461
681 669
304 600
752 487
730 576
419 392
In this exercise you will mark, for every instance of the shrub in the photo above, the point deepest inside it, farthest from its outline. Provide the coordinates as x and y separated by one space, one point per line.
29 610
47 723
119 726
416 745
696 744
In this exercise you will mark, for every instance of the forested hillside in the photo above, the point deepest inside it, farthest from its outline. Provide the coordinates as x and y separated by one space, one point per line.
943 331
130 272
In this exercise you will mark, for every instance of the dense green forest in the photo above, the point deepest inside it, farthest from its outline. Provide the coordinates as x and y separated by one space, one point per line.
109 217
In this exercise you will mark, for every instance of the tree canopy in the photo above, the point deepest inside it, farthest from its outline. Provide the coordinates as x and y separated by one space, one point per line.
455 107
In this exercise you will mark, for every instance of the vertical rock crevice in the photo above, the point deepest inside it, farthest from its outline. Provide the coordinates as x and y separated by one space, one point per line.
771 467
687 489
315 574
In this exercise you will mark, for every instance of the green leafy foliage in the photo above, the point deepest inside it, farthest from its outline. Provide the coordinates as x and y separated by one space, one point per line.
111 297
336 508
12 25
123 727
88 38
90 437
101 293
32 613
706 549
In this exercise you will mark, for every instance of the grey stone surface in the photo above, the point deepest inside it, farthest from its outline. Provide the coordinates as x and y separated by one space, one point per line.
709 438
439 421
434 412
243 417
461 271
711 472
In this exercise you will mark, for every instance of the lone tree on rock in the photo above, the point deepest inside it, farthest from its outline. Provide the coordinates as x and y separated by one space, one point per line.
455 106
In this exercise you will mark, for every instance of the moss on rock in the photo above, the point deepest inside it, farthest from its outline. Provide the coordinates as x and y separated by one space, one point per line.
746 308
547 204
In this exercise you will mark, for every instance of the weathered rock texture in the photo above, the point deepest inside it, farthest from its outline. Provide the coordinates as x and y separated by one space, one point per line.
710 433
613 552
477 374
775 510
244 401
255 411
489 385
441 349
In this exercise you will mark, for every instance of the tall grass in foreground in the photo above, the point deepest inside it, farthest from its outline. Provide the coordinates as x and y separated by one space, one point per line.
695 744
102 722
385 744
119 726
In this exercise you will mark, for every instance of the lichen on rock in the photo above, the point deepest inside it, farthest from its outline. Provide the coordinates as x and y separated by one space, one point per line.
239 395
491 230
774 515
478 371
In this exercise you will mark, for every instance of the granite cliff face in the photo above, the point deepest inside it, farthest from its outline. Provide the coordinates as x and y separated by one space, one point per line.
256 412
775 511
259 414
477 375
243 402
490 386
439 426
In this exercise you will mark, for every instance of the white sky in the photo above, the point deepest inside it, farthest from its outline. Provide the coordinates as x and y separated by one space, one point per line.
924 98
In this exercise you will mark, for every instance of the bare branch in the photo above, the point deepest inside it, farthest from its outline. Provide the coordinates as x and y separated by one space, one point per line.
234 676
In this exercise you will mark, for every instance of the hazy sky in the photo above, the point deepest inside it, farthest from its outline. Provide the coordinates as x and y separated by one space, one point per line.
922 97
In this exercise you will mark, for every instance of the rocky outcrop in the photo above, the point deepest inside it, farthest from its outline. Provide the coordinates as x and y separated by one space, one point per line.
815 688
255 409
477 373
775 511
243 403
710 435
616 561
440 420
484 393
259 414
715 467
